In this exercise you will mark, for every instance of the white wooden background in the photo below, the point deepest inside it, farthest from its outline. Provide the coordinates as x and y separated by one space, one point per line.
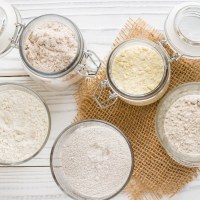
99 21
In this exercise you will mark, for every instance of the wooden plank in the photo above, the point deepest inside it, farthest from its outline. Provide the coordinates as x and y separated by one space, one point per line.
36 183
31 184
99 21
47 2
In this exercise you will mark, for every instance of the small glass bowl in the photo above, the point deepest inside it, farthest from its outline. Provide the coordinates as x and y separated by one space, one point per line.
56 164
11 86
192 88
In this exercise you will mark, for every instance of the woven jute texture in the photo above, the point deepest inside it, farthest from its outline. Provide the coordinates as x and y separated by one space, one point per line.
155 173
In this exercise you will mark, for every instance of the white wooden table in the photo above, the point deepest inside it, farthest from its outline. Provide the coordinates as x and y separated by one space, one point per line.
99 21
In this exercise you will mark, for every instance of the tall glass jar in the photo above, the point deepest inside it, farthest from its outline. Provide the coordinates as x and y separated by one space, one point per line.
182 35
85 63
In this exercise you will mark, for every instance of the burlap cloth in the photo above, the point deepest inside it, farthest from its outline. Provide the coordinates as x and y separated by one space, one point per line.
155 172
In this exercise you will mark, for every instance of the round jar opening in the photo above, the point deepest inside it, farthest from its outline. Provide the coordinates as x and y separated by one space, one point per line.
177 124
24 124
51 45
137 69
186 22
91 160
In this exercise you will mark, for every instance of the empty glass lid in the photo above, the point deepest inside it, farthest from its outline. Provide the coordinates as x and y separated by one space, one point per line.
8 27
182 29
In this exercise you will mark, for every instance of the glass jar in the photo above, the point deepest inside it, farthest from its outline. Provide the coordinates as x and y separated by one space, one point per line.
164 105
182 35
14 34
56 163
9 86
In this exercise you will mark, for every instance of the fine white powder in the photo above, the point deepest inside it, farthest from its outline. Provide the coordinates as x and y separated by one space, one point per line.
182 125
23 125
96 161
50 47
137 70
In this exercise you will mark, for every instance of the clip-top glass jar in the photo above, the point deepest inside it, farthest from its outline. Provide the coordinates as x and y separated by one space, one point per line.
14 34
182 35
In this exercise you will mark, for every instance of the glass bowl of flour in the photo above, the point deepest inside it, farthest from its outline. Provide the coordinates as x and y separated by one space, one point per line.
91 160
178 124
25 124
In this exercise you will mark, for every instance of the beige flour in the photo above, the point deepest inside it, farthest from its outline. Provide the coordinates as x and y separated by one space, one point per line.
51 47
182 125
137 70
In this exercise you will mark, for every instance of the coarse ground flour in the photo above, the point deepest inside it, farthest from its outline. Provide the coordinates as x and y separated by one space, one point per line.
137 70
23 125
50 47
96 161
182 125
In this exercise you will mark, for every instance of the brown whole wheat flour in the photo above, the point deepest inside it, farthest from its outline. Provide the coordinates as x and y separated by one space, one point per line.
155 172
51 47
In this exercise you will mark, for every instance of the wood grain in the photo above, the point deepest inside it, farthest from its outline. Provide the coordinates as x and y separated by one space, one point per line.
99 21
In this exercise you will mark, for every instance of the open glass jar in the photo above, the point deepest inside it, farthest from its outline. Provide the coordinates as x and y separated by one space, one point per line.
182 35
13 34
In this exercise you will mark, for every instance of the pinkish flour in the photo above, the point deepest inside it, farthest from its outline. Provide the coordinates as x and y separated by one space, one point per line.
50 47
182 125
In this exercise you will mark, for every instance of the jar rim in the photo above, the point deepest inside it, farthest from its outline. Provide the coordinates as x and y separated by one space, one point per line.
35 94
72 65
187 11
180 44
9 22
163 81
80 123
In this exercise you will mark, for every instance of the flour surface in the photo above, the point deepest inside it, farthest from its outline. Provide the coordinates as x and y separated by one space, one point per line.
182 125
96 161
23 125
137 70
51 47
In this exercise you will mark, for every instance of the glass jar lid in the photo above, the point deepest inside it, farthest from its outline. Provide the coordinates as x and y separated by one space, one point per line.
182 29
8 27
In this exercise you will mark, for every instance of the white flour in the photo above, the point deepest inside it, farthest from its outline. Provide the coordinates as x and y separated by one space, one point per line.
23 125
51 47
137 70
96 161
182 125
